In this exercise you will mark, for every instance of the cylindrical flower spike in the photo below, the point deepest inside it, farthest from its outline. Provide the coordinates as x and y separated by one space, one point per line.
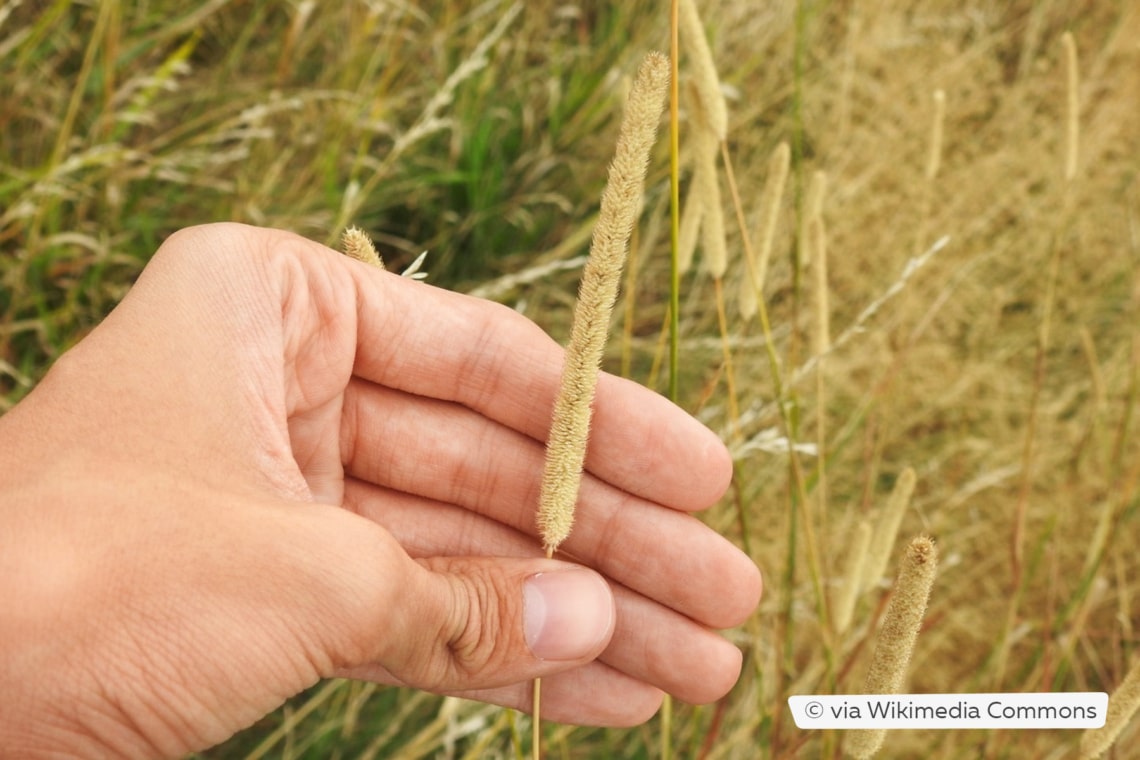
704 68
621 200
752 286
887 528
893 650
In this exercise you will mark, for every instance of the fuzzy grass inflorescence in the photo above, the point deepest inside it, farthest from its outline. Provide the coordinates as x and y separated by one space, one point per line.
621 202
895 644
1122 705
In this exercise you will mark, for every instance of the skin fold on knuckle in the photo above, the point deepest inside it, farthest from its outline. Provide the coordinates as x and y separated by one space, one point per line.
478 640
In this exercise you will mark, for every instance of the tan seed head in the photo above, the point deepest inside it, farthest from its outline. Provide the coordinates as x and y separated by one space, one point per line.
621 200
893 649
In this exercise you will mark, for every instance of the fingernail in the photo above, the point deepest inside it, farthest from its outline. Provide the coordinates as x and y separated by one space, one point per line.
567 614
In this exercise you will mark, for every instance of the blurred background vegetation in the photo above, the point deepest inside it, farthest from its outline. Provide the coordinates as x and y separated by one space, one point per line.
480 132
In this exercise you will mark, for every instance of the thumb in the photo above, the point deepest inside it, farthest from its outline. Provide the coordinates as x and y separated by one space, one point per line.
448 624
463 623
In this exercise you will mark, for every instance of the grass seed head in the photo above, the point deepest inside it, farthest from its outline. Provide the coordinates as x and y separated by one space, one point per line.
893 649
690 229
621 200
696 45
1122 705
358 245
887 528
752 287
707 185
852 576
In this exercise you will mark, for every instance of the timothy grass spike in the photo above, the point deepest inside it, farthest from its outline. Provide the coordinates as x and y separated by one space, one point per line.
358 245
752 286
704 68
852 576
1122 705
707 187
621 200
690 229
901 621
887 528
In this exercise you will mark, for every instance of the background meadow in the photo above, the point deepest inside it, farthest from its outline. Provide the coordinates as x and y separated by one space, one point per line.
1001 364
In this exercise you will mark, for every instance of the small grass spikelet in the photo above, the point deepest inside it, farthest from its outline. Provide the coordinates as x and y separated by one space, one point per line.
887 528
893 649
358 245
621 200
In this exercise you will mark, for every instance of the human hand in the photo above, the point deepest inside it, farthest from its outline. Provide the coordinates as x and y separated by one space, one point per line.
271 464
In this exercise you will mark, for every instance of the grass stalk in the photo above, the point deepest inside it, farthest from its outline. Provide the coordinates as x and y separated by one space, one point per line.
822 344
597 293
674 274
674 203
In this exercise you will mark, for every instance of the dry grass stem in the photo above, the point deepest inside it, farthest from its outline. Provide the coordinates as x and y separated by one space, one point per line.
752 286
887 528
853 569
358 245
621 200
704 69
893 649
1122 705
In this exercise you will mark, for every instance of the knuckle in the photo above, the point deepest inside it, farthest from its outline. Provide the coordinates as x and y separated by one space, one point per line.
479 638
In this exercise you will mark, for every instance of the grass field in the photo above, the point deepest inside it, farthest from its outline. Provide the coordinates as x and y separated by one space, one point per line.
1002 365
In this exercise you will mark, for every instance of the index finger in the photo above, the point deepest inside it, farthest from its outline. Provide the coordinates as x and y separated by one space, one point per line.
433 342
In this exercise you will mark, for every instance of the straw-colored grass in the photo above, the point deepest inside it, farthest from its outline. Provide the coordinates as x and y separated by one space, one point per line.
481 132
